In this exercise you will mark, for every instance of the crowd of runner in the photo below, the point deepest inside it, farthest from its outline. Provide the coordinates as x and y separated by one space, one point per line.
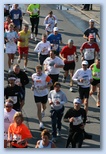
45 81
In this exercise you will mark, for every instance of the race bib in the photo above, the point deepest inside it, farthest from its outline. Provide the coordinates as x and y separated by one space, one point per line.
77 120
14 98
70 58
89 54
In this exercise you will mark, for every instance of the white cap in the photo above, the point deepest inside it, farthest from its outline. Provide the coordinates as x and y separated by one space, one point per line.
84 62
70 41
91 20
77 100
55 29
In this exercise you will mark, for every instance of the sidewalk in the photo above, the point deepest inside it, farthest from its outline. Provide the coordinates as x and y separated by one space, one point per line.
92 14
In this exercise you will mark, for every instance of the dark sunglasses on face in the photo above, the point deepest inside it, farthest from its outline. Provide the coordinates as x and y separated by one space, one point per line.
8 106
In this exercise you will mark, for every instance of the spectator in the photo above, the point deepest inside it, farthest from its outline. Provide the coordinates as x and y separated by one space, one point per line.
45 142
57 99
18 133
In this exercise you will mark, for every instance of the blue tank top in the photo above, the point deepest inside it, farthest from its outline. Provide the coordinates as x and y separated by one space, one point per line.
42 146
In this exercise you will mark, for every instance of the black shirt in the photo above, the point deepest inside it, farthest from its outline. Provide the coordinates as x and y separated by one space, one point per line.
93 31
16 93
23 78
79 115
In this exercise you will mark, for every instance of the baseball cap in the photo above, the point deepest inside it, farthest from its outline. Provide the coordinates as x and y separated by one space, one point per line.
91 36
55 29
77 100
91 20
84 62
70 41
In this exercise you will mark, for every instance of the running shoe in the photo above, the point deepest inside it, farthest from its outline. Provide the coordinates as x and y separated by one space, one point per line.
25 69
32 36
64 80
58 132
35 38
41 126
9 70
71 89
43 114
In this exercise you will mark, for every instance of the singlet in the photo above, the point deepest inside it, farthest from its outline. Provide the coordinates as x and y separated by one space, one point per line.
42 146
97 71
25 36
34 8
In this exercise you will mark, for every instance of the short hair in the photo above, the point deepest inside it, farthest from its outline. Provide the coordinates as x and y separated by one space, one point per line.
26 25
51 12
54 51
18 114
45 132
16 65
38 67
57 84
44 35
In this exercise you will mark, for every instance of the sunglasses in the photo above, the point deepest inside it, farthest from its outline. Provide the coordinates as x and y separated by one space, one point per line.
8 106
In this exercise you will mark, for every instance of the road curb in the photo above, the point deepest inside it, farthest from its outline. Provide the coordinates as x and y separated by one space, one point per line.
83 12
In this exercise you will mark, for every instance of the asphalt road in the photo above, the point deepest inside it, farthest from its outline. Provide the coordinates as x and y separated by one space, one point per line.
68 29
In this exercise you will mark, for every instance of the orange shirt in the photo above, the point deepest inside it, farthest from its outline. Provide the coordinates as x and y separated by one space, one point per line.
18 133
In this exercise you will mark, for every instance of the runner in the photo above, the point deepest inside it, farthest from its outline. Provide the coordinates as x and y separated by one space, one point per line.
76 116
89 50
14 92
43 49
16 16
91 30
83 77
45 142
50 22
55 39
96 80
57 99
21 80
52 66
69 55
10 37
34 12
8 118
23 45
18 132
40 84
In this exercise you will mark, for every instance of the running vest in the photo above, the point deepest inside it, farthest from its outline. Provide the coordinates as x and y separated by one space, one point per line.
34 8
97 71
41 145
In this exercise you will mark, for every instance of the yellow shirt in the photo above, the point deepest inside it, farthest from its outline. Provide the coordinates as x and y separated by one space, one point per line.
24 38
